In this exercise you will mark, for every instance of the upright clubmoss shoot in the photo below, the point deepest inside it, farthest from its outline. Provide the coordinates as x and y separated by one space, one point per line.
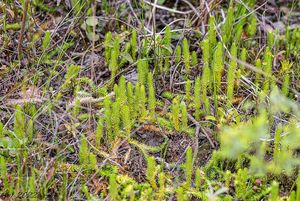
274 191
188 167
226 29
3 171
197 102
122 94
206 75
142 103
241 183
267 68
218 66
115 53
252 23
19 125
131 101
161 181
113 64
113 187
188 90
243 58
194 59
184 116
83 151
133 45
167 48
175 113
143 69
115 119
151 97
107 118
125 114
212 34
231 73
177 55
286 66
108 47
151 171
99 132
186 55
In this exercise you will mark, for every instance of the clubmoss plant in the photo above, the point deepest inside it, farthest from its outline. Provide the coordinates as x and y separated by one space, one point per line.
226 29
198 178
241 183
133 44
131 101
167 49
188 90
46 41
144 48
197 102
231 73
30 129
108 47
137 99
126 55
107 118
175 113
143 69
252 23
113 187
267 68
142 104
217 69
83 151
162 189
115 119
243 58
122 93
177 55
298 187
274 191
184 116
180 195
114 64
212 34
125 114
270 40
206 75
151 171
151 97
19 125
188 167
239 30
218 65
32 187
277 138
194 58
286 66
1 129
186 55
3 171
99 132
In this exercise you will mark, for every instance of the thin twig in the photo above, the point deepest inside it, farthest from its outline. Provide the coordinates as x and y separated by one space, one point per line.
168 9
202 129
22 28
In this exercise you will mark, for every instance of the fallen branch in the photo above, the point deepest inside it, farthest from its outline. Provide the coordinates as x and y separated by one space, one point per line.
198 128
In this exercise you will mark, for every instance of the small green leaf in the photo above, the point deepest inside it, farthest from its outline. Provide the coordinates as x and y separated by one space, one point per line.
92 36
91 21
127 56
